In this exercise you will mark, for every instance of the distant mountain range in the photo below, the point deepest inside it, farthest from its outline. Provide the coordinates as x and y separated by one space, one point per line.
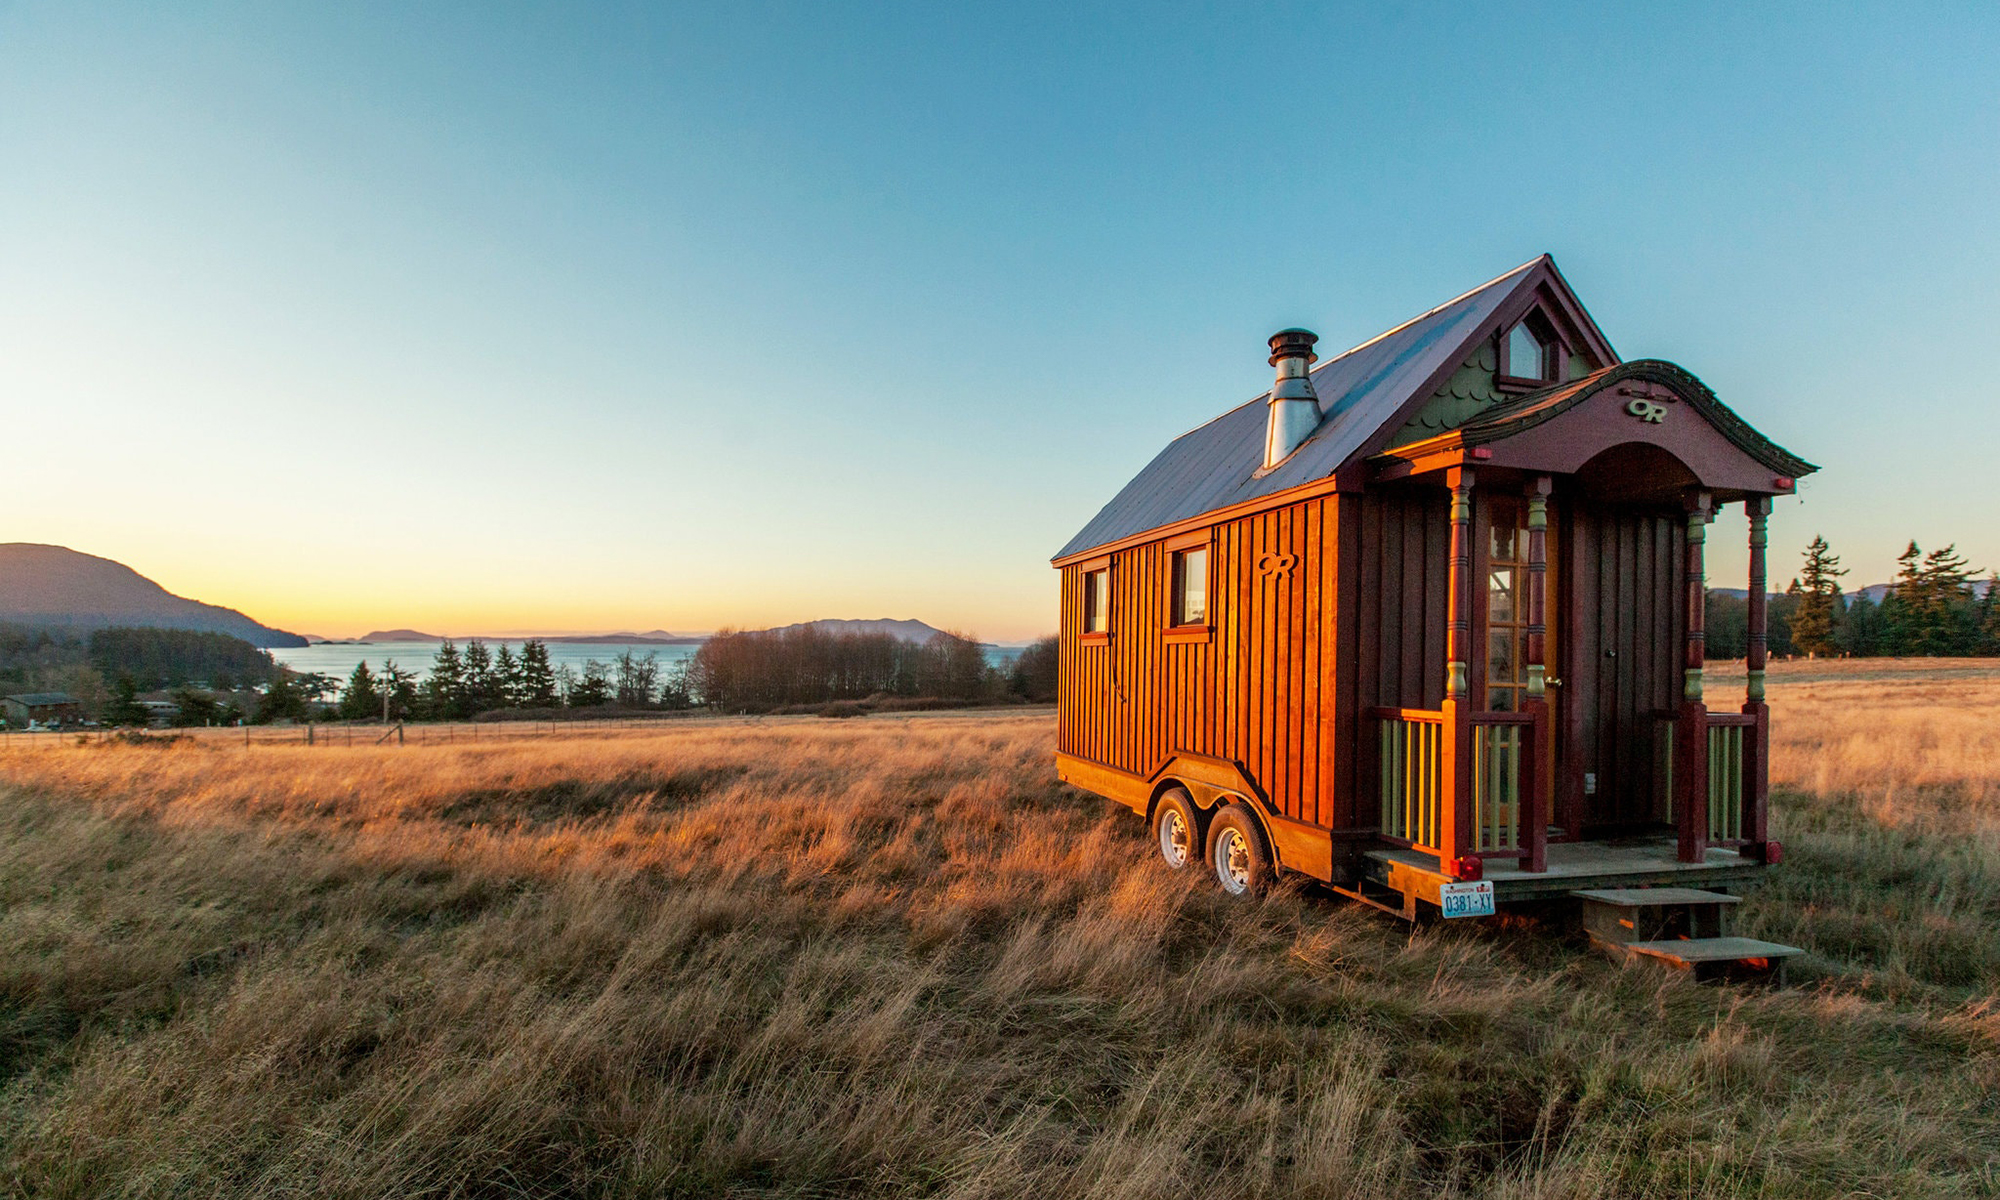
54 587
658 637
909 631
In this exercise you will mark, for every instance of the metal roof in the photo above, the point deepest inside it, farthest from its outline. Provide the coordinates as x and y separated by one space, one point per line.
43 699
1360 391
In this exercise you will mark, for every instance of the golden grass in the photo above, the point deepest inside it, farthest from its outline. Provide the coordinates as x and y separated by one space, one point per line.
893 957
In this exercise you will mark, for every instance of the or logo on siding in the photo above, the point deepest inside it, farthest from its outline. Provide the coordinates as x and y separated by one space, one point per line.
1650 411
1277 565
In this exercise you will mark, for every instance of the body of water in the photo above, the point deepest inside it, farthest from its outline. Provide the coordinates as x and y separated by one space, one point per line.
339 661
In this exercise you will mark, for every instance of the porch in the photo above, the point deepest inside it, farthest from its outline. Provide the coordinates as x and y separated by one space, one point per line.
1486 785
1625 862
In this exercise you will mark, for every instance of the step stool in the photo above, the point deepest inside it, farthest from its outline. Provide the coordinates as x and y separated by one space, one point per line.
1684 928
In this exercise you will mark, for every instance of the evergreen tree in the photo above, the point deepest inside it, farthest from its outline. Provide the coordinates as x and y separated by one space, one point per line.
1861 628
1989 616
401 688
594 688
1900 623
361 700
282 700
124 707
1950 619
538 678
445 689
506 678
482 687
1816 616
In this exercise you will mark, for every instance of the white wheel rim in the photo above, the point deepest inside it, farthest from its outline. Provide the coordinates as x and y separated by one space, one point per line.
1174 839
1232 862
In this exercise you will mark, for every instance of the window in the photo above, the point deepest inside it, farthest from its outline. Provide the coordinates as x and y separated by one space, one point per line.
1097 601
1532 352
1506 620
1191 586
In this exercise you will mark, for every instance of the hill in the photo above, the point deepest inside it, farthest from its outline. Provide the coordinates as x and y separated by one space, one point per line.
909 631
399 635
54 587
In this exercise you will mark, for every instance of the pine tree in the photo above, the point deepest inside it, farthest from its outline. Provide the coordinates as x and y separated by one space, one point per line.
361 700
445 689
538 678
401 688
594 688
1816 618
1951 622
1989 616
506 678
479 681
1901 622
124 707
1861 628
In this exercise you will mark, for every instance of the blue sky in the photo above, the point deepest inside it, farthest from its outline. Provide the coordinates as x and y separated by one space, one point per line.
492 318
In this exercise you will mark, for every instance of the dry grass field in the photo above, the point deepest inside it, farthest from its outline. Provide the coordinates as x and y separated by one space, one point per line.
890 956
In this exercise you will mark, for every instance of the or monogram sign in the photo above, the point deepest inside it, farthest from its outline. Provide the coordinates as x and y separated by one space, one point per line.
1650 411
1277 565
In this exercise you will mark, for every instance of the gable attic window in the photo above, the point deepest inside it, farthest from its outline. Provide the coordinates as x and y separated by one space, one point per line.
1531 352
1097 601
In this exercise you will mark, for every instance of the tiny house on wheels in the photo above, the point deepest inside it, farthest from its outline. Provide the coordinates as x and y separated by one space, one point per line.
1424 621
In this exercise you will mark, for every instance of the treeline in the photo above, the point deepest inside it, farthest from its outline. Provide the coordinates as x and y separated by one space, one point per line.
464 684
760 671
165 658
1932 609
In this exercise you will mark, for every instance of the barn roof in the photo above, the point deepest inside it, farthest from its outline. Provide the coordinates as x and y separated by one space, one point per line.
43 699
1362 392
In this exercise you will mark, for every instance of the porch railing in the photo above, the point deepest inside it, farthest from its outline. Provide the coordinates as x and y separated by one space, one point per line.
1413 745
1729 735
1726 764
1412 775
1500 743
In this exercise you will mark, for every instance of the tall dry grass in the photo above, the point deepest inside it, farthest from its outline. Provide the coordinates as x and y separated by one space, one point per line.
892 957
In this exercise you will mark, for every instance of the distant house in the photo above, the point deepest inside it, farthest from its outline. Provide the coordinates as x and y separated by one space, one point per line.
42 708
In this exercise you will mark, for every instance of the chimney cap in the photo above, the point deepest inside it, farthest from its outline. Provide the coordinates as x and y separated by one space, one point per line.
1293 343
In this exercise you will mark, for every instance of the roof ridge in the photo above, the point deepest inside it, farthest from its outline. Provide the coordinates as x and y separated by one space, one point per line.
1324 363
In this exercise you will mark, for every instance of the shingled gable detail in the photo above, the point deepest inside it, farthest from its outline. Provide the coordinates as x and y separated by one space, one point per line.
1367 395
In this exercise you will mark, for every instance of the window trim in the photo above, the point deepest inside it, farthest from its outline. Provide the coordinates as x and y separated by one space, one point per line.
1173 548
1084 570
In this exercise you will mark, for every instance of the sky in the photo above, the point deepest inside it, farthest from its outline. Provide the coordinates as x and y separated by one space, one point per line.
505 318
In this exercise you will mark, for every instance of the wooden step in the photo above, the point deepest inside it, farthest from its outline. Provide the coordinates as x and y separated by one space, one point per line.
1655 896
1713 953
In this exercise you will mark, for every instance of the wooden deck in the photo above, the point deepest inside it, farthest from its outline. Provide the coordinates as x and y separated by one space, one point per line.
1625 863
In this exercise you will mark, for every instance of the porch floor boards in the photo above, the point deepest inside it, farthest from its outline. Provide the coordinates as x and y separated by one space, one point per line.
1626 862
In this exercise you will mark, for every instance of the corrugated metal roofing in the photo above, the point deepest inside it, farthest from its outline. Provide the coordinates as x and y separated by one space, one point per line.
43 699
1216 465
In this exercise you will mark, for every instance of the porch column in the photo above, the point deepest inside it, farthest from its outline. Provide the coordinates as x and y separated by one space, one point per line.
1535 772
1455 824
1691 729
1757 746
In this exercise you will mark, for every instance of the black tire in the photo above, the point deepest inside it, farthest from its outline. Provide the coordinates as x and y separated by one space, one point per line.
1238 852
1177 829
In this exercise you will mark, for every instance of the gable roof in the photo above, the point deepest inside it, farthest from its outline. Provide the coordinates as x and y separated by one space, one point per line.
1525 412
1365 395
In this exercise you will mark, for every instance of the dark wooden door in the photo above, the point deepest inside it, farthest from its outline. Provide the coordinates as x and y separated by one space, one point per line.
1501 676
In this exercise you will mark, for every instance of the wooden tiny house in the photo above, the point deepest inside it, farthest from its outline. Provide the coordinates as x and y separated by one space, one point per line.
1430 612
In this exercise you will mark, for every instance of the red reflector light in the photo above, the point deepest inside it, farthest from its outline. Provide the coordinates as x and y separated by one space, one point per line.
1471 867
1774 853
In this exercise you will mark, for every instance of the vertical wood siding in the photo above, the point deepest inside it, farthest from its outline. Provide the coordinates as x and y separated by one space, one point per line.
1251 693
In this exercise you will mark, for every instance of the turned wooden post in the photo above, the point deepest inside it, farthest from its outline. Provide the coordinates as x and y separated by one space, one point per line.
1535 771
1757 746
1455 826
1691 732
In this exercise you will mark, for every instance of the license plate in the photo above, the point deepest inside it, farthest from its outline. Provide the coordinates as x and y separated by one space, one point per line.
1466 899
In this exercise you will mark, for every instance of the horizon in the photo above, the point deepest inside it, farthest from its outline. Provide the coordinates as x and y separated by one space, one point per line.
689 320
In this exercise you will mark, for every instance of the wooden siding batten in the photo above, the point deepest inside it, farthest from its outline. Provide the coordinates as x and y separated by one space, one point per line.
1455 827
1757 746
1691 738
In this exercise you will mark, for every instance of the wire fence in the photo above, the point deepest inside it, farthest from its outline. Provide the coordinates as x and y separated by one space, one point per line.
412 733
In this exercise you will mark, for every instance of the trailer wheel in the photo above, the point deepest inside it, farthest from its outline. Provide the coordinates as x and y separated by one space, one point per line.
1238 852
1177 828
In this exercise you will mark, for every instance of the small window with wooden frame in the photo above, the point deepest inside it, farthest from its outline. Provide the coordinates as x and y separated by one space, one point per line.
1096 600
1187 587
1532 354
